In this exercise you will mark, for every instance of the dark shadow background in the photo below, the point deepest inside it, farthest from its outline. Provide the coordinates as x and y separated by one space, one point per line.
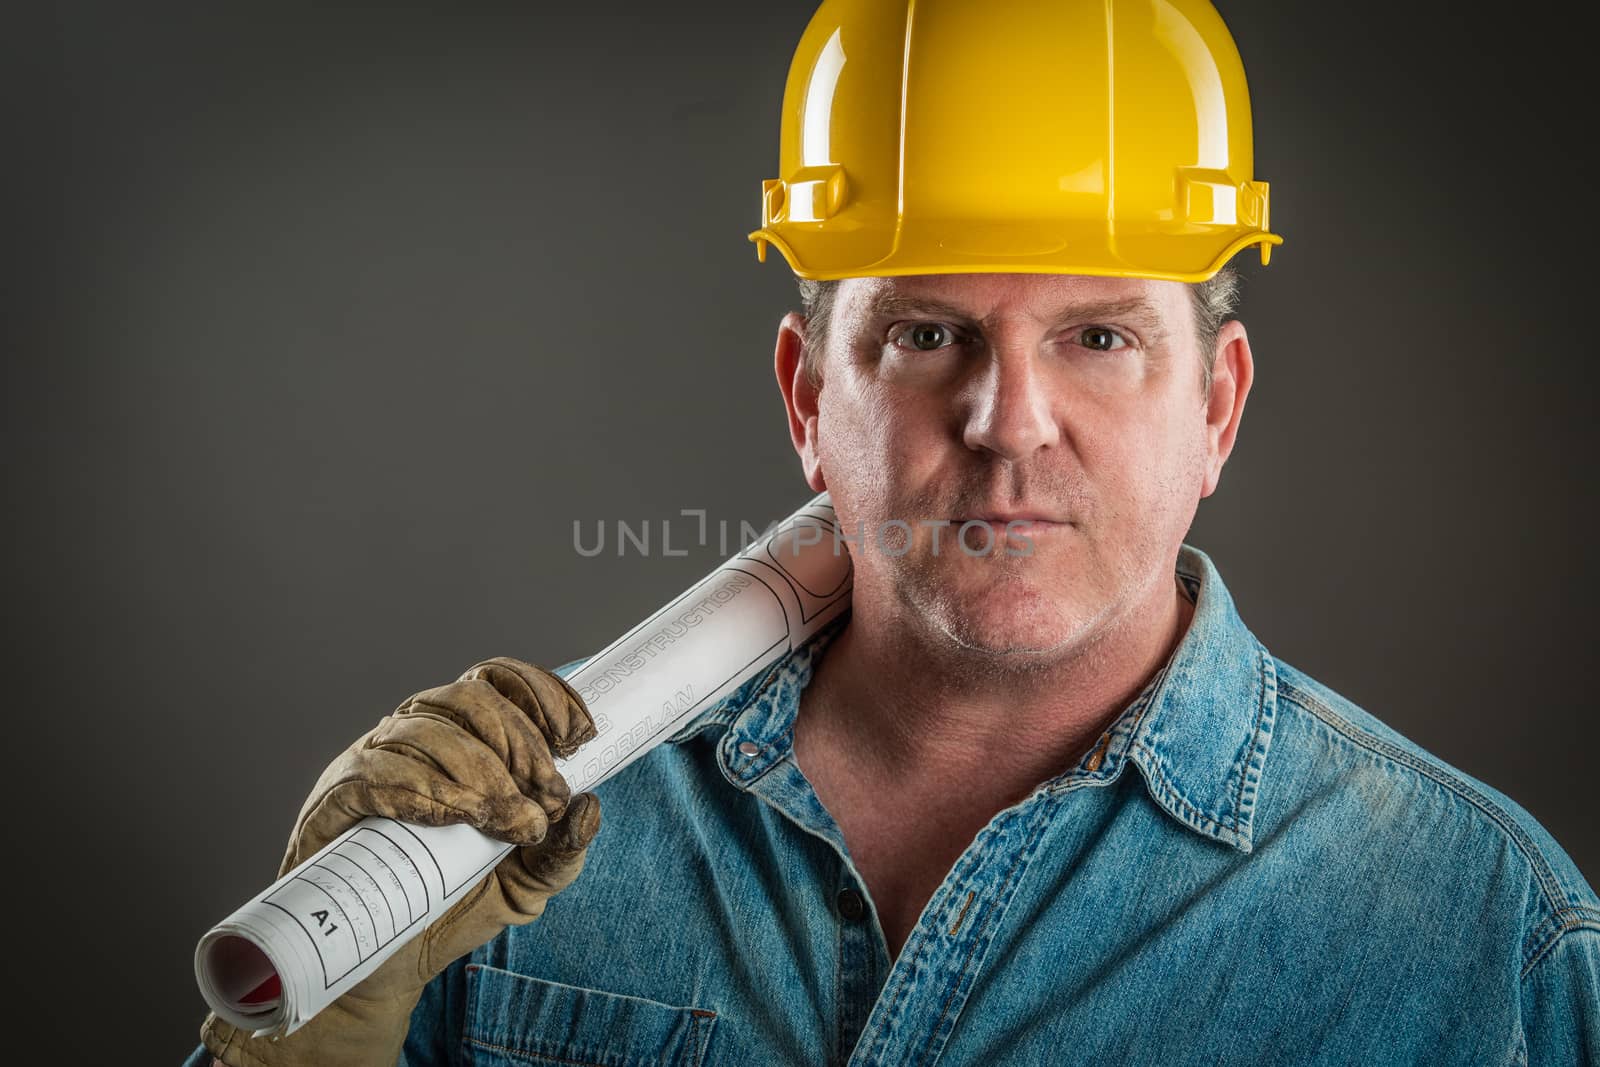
327 324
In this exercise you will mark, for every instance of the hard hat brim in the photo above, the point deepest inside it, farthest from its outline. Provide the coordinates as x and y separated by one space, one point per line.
997 249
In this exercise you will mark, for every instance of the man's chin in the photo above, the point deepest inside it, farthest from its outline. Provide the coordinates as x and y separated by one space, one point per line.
1009 620
1003 644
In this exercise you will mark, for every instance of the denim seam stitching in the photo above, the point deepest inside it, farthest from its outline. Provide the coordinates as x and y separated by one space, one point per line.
1250 773
699 727
1576 918
1189 815
766 747
900 991
1128 728
777 672
906 981
1537 865
733 714
767 683
696 1052
985 922
838 985
724 714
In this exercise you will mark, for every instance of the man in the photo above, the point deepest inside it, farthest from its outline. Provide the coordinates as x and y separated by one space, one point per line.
1041 796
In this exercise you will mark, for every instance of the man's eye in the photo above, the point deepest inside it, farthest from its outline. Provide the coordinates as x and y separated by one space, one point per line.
927 336
1101 339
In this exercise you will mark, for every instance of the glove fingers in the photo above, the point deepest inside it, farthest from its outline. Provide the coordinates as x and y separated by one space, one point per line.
537 871
545 697
396 786
498 727
439 744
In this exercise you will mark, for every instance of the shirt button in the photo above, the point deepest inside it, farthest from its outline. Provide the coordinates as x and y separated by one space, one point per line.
748 748
851 906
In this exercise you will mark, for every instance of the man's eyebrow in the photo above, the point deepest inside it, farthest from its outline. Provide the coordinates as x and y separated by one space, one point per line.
890 304
1137 309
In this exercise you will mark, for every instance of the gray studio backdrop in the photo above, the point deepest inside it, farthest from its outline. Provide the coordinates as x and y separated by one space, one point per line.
328 325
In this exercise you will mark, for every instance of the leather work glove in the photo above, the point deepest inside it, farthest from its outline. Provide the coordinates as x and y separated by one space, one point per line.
478 751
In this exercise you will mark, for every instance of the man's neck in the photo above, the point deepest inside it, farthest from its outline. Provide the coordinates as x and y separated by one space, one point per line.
903 722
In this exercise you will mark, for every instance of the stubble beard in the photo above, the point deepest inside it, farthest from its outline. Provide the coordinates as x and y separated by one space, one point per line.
967 639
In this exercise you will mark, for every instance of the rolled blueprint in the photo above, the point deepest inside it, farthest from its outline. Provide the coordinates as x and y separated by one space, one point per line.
329 923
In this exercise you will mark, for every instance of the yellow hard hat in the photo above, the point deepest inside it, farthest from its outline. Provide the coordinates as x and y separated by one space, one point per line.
1107 137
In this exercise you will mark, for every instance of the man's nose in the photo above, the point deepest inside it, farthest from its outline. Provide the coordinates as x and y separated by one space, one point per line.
1009 410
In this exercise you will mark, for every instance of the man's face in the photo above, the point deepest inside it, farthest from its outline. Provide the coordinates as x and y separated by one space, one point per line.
1072 403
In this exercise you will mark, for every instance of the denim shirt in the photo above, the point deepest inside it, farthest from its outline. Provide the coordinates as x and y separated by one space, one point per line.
1246 869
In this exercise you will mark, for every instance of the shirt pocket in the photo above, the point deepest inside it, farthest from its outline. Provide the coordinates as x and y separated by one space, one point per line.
514 1020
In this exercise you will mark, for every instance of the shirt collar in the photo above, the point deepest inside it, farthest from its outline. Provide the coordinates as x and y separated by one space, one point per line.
1202 737
1199 731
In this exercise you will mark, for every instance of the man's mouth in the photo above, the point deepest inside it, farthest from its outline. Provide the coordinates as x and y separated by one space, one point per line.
1016 523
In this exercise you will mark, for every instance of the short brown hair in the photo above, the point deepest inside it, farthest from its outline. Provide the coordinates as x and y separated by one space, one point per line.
1214 301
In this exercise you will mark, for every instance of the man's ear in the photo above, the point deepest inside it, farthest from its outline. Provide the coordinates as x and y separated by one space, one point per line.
1232 372
799 397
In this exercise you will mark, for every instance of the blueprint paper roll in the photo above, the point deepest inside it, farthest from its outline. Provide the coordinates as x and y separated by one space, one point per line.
329 923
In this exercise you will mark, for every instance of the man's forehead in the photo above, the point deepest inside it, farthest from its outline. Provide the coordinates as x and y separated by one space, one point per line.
1046 297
